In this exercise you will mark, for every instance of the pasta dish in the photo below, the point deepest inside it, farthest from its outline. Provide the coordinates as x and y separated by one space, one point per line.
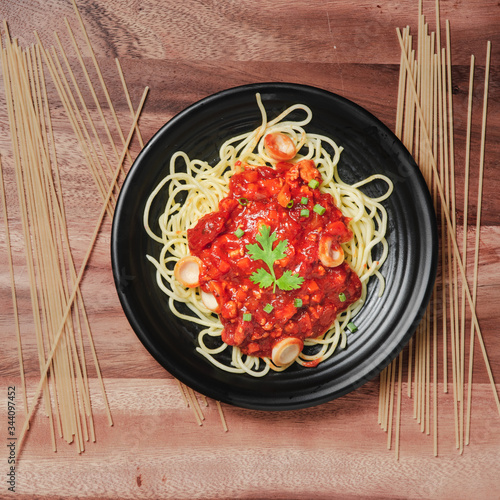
269 250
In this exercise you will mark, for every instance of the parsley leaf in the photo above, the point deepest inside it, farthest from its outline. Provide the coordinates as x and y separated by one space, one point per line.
266 253
270 255
262 277
289 281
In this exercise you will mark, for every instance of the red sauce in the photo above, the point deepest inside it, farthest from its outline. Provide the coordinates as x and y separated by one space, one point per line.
227 265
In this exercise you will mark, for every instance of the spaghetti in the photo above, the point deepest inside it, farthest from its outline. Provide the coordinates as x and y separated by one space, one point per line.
193 188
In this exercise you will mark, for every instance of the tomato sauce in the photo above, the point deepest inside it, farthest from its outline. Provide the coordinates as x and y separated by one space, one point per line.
282 198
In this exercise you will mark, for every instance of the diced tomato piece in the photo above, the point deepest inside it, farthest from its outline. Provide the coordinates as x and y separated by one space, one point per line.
252 348
229 310
308 171
250 175
340 229
284 196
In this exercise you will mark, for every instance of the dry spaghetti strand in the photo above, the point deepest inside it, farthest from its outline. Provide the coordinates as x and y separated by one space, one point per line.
425 123
59 332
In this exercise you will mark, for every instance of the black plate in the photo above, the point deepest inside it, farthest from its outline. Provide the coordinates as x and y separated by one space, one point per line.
385 324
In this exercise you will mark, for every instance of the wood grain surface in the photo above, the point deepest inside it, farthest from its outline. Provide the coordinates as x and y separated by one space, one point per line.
184 51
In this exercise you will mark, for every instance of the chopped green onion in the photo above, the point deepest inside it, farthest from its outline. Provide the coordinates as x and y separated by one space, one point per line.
268 308
342 297
243 201
352 327
319 209
297 302
304 200
239 232
289 204
247 317
304 212
313 184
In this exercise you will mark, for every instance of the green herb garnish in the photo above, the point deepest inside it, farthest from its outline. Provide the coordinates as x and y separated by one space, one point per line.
239 232
352 327
247 317
268 308
313 184
270 255
304 212
342 297
319 209
297 302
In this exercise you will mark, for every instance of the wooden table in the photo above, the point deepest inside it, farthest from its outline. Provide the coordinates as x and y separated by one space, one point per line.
184 51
